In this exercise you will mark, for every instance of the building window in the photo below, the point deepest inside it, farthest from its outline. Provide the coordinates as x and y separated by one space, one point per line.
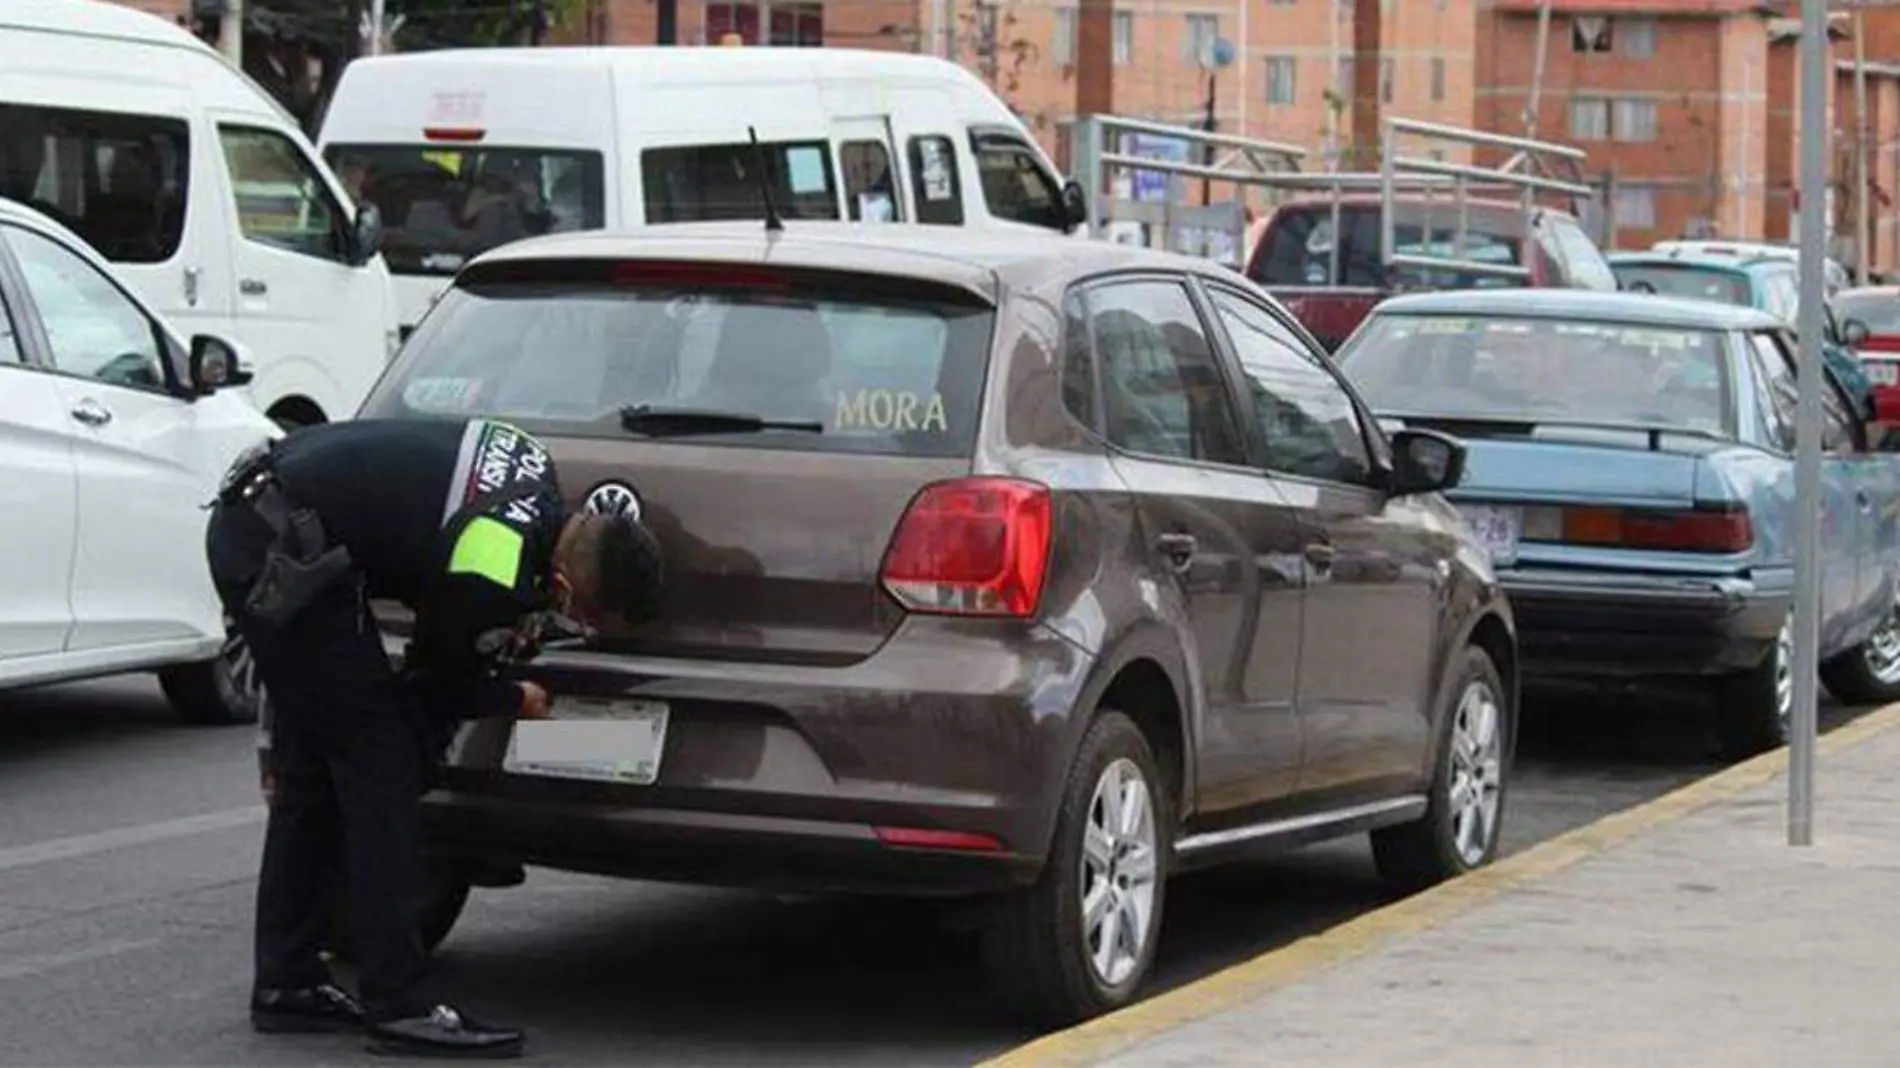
793 25
1124 38
1590 33
1197 45
1637 36
1388 74
1590 118
1438 79
1635 120
1062 49
1282 79
1635 207
1344 86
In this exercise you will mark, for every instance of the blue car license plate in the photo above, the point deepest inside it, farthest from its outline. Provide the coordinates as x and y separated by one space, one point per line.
1497 529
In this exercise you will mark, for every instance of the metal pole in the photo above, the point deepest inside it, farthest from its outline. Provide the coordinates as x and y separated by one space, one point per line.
231 33
376 15
1809 382
1863 227
1536 100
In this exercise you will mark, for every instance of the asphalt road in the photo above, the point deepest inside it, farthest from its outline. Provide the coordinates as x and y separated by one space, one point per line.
128 847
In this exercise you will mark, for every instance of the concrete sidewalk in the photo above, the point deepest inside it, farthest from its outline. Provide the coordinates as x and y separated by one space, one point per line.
1684 932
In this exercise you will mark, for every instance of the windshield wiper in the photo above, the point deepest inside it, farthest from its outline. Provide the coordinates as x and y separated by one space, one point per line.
659 422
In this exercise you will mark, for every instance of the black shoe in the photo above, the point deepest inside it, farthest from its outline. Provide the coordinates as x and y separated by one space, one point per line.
316 1009
443 1032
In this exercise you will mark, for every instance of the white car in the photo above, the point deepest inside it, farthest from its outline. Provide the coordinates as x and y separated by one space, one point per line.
114 433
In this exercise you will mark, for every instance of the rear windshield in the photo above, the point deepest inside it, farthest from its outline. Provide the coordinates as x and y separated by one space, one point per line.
882 375
443 206
710 183
1299 250
1880 311
1671 280
1505 368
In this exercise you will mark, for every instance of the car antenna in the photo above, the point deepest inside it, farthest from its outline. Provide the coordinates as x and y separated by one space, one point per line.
773 224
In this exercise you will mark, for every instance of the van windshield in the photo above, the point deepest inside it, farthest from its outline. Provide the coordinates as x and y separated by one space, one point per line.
443 205
1299 249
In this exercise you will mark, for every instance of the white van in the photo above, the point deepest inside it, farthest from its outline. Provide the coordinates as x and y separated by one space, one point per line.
201 192
464 150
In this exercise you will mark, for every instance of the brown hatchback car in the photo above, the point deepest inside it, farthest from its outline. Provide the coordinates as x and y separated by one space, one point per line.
1024 570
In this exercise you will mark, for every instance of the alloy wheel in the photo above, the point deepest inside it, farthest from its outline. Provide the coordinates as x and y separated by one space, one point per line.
1477 772
1784 672
1883 646
1119 869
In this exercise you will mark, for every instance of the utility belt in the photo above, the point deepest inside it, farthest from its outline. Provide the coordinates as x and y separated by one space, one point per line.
301 564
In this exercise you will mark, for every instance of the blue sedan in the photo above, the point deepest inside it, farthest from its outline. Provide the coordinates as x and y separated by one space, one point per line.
1631 471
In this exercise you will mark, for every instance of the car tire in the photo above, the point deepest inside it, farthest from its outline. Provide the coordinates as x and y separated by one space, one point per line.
1869 673
444 894
1464 815
1752 707
1047 962
222 691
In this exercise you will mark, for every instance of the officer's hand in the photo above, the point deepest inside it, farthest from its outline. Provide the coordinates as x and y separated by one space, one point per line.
534 701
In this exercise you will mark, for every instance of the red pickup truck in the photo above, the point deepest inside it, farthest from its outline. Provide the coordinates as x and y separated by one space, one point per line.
1294 257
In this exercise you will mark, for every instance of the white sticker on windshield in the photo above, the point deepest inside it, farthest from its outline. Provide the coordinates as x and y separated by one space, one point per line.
806 166
442 394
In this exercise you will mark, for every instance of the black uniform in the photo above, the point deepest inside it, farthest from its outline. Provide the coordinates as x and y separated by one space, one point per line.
459 522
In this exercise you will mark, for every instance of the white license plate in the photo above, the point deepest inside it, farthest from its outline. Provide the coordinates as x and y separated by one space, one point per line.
597 740
1881 372
1497 530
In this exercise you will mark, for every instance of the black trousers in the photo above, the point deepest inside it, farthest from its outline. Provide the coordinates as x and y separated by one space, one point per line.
350 767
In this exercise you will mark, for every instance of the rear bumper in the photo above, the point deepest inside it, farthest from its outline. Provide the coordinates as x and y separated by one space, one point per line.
1584 625
781 775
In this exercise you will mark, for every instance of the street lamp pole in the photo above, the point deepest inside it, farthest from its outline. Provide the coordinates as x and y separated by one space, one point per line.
1809 383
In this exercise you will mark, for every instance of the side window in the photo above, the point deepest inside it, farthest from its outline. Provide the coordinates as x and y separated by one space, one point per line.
1777 361
118 180
282 201
94 328
1162 390
1778 391
1078 363
1015 187
702 183
1308 421
10 351
933 170
870 185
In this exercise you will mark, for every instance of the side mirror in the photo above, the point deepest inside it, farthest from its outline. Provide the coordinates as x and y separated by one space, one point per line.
1075 205
1425 461
216 364
366 234
1855 333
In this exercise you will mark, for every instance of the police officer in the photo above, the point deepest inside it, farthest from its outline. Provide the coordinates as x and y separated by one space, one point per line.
465 524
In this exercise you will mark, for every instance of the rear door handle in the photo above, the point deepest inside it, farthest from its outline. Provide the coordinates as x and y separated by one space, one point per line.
1320 555
1178 548
253 287
91 413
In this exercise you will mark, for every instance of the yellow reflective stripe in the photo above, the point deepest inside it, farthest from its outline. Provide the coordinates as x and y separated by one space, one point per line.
490 549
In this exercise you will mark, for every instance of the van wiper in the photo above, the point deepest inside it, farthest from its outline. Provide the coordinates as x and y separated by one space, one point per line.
660 422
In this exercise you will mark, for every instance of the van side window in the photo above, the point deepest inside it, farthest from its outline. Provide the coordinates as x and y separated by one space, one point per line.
282 200
706 183
933 170
118 180
870 185
1015 186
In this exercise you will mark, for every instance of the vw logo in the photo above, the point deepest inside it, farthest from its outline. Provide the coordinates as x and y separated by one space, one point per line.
613 498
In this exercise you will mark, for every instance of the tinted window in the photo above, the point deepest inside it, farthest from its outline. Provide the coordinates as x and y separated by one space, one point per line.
119 181
881 375
1306 418
1684 280
1015 187
1078 365
1880 310
870 186
1541 369
1162 390
703 183
1299 252
443 206
282 201
933 170
94 329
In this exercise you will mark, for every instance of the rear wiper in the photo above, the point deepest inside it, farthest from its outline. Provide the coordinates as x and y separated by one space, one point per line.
667 422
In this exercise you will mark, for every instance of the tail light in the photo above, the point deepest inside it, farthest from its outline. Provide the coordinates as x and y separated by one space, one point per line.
971 546
1699 530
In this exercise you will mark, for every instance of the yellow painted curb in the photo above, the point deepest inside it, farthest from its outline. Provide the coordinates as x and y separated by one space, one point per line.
1100 1038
